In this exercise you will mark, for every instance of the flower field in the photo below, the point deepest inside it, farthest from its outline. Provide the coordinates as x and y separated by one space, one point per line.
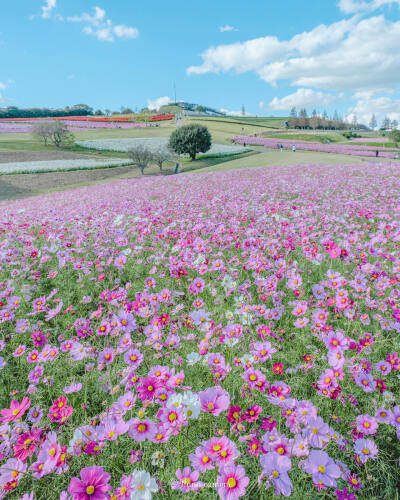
217 335
344 149
152 143
73 126
19 167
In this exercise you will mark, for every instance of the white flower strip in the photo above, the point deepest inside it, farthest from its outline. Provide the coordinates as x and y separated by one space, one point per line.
54 165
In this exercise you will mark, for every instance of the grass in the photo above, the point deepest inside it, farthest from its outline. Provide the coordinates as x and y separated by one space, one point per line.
275 158
324 138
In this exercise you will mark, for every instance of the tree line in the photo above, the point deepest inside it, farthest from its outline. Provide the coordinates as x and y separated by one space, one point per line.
76 110
317 121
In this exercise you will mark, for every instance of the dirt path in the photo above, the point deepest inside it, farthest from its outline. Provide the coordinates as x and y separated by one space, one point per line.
16 156
21 185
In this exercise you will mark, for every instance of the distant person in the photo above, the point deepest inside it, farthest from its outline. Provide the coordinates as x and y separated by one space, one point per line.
294 148
376 153
244 144
176 168
281 147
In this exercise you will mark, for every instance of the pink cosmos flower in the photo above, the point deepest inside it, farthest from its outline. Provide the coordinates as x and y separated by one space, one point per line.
140 430
187 480
214 400
232 482
322 467
93 484
275 468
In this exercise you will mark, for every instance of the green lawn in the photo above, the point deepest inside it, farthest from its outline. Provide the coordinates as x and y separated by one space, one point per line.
277 158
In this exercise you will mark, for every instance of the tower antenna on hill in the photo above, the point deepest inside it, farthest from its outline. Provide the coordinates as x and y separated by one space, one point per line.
175 92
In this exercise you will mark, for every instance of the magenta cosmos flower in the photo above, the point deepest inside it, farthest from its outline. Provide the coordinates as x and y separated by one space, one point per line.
232 482
93 484
16 410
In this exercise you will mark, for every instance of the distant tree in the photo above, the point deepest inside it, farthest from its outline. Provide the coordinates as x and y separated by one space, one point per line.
386 123
373 123
395 136
53 132
160 156
98 112
293 120
395 124
141 156
107 111
354 121
303 118
200 109
190 139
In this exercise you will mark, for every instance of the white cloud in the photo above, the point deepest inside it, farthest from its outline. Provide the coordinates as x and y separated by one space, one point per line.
302 98
381 106
47 8
235 113
356 6
353 54
2 86
102 28
157 103
261 104
225 28
122 31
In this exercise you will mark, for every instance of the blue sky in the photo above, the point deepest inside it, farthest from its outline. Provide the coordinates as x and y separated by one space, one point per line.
267 55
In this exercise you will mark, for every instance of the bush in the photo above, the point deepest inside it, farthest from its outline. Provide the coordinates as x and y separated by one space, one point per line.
190 140
141 156
395 136
53 132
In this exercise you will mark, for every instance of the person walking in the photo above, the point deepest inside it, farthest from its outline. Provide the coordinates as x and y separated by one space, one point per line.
281 147
376 153
294 148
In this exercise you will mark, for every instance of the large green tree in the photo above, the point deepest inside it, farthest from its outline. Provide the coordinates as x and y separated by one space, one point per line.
190 140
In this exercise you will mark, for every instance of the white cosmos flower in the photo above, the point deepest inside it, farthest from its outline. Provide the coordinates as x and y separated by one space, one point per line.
230 341
192 404
175 401
192 358
143 485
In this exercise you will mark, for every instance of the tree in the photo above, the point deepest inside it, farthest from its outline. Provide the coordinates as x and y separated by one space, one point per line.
395 136
141 156
373 123
54 132
395 124
386 123
160 156
190 139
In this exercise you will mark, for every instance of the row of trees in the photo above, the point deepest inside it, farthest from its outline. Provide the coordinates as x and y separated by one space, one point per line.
387 123
76 110
316 121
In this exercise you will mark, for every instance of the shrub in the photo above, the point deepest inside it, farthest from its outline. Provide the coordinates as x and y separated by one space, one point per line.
395 136
190 140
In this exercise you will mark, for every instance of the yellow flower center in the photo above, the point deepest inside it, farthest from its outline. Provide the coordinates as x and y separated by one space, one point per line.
90 490
231 482
321 469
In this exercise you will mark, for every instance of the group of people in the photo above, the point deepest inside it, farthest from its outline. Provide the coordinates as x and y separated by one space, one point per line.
280 146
